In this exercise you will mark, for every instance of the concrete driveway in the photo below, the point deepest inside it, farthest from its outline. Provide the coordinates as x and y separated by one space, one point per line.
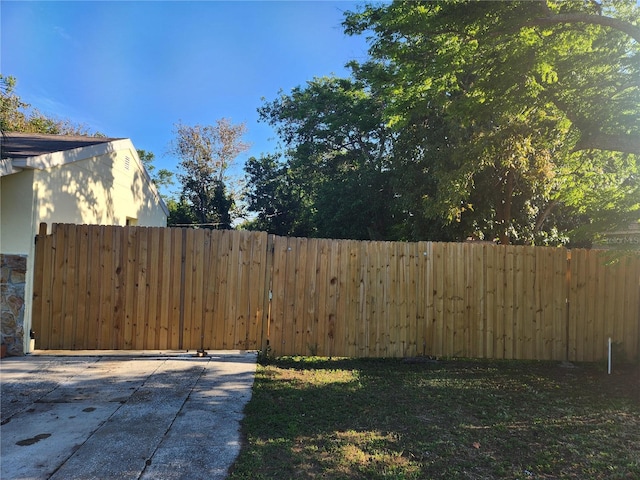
117 415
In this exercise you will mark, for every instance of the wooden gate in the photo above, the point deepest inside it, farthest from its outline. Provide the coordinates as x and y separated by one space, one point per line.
146 288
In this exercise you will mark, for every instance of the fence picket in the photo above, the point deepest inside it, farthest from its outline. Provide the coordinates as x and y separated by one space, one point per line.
632 303
164 292
594 325
618 278
311 291
176 285
84 252
57 289
117 334
321 285
243 317
299 341
530 330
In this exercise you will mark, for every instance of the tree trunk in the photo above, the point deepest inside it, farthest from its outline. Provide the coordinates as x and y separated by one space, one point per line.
543 216
504 210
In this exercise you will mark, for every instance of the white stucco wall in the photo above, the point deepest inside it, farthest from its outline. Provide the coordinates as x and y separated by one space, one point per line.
104 190
16 214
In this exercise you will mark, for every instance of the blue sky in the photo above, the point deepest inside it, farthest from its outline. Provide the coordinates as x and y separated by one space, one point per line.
134 69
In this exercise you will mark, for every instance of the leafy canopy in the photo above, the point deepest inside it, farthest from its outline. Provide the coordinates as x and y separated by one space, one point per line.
334 179
509 107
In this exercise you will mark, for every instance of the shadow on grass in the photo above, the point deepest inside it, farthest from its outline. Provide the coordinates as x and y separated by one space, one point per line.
343 418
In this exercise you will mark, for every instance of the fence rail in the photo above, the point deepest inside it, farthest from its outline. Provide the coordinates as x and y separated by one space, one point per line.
109 287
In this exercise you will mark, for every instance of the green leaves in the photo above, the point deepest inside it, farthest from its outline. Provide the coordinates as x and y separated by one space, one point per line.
333 180
515 88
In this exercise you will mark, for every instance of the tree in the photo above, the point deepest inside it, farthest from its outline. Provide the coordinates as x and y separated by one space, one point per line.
335 167
504 106
180 213
11 106
161 178
205 153
275 195
18 116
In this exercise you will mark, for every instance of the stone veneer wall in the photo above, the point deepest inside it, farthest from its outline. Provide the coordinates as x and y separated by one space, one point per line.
12 293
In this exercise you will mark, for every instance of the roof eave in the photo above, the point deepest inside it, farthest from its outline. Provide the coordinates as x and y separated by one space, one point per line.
62 157
8 168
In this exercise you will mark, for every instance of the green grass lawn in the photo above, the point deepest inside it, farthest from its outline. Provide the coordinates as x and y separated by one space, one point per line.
321 418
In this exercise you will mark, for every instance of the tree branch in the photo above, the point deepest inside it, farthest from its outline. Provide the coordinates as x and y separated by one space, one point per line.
543 216
605 141
591 138
615 23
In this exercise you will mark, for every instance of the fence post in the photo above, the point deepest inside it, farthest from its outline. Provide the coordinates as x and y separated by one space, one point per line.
39 281
267 295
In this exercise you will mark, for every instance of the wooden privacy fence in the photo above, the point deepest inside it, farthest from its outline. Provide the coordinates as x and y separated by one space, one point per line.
110 287
101 287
